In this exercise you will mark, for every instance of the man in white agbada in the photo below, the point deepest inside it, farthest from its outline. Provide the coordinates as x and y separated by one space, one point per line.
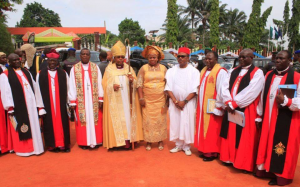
86 97
182 84
17 94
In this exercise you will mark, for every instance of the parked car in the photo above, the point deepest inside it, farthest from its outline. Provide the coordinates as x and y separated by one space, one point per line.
63 55
233 62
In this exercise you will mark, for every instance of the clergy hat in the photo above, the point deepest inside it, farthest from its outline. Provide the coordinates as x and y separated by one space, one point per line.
71 49
297 52
118 49
184 50
52 54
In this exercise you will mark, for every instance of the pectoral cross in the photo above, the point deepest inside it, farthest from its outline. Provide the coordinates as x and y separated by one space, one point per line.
271 96
26 85
88 85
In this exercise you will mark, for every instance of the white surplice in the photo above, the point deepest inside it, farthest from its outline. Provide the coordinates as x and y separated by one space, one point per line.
89 112
245 97
219 101
8 102
38 95
182 82
125 99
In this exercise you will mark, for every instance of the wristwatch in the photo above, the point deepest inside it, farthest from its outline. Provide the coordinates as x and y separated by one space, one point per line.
186 101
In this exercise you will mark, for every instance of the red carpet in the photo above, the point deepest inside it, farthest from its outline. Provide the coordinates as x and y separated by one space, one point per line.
122 168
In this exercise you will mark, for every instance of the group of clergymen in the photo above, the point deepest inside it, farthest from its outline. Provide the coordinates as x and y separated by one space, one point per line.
267 141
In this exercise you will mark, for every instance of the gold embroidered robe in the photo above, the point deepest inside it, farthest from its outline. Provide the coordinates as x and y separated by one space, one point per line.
114 123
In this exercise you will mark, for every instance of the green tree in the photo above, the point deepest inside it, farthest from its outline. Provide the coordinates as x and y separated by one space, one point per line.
184 31
6 45
286 18
293 32
172 27
35 15
132 30
192 10
234 25
256 25
7 5
214 23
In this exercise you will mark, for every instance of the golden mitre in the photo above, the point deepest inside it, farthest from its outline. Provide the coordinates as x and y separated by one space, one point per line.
118 49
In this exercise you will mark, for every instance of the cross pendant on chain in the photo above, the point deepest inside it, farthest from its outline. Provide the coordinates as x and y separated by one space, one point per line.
26 85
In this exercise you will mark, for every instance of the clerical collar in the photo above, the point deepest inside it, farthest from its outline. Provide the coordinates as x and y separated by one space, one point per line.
52 69
283 72
120 66
246 67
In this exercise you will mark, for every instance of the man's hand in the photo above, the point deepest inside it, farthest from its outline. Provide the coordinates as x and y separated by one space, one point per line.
229 109
130 77
116 87
142 103
180 105
279 97
42 116
100 105
72 108
258 125
11 114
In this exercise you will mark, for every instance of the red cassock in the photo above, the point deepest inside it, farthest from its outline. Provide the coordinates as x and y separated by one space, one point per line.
244 156
267 136
81 130
14 143
3 129
211 142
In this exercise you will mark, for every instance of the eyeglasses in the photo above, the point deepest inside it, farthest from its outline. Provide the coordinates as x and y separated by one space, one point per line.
181 56
119 57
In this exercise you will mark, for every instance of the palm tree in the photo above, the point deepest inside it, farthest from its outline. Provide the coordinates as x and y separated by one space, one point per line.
234 23
192 10
184 31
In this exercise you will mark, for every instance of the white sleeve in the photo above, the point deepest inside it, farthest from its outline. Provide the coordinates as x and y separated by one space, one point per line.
169 80
195 80
226 96
38 95
252 91
68 87
6 94
219 100
72 94
100 88
295 105
259 108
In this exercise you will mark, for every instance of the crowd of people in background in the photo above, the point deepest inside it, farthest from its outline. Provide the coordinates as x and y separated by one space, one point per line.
246 117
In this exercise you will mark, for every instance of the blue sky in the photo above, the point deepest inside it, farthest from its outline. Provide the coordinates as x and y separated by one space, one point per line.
150 13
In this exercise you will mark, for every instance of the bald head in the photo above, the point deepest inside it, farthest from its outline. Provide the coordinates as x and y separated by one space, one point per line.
248 52
14 60
246 57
